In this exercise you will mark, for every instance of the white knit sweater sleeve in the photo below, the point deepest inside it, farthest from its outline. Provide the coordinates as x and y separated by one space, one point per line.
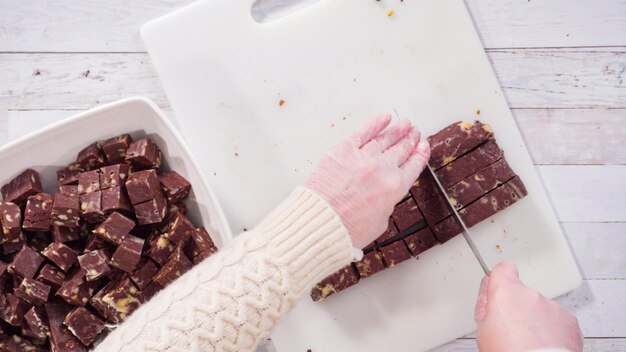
233 300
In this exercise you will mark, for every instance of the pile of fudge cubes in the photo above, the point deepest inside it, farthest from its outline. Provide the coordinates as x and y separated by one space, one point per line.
478 181
76 263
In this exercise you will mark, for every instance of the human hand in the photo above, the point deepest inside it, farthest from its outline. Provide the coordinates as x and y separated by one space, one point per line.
368 173
512 317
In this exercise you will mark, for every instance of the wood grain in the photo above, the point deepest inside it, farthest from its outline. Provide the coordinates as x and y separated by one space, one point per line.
113 25
591 345
560 78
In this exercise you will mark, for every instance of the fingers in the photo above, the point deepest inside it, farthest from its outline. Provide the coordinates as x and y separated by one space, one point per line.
388 137
400 152
370 130
417 161
480 311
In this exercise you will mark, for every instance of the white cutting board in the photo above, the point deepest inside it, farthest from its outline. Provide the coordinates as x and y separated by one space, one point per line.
336 64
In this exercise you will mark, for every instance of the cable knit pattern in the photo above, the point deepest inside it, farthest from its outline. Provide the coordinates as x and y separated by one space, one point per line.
233 300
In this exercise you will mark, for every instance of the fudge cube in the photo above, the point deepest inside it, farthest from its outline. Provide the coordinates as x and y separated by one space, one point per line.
175 187
371 263
406 214
122 301
9 248
61 339
35 325
323 289
391 231
395 253
94 243
13 309
25 263
144 154
63 256
96 301
152 289
420 241
95 264
142 186
180 229
91 207
204 254
114 175
152 211
51 276
128 253
344 278
65 234
89 181
38 213
173 208
445 230
160 249
21 187
144 274
115 148
84 325
66 210
115 199
16 343
77 290
115 228
175 266
69 175
91 157
33 291
199 241
10 221
424 188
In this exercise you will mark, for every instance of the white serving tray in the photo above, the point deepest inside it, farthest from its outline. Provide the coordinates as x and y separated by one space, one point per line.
57 145
336 64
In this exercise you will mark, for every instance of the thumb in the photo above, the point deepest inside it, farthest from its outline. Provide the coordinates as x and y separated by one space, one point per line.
480 311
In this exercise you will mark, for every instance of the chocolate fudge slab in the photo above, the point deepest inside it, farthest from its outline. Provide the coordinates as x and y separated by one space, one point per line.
63 256
66 210
21 187
371 263
395 253
494 202
420 241
323 289
10 221
435 209
175 187
144 154
469 164
91 157
84 325
456 140
115 148
61 339
344 278
406 214
113 175
480 183
38 213
25 263
115 228
142 186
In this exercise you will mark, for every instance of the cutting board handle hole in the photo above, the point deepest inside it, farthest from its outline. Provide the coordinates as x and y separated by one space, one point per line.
267 11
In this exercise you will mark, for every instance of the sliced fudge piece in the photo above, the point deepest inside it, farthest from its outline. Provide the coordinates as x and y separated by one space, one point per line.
144 274
175 187
199 241
77 290
395 253
344 278
91 207
204 254
322 290
435 209
391 231
152 289
469 164
144 154
115 148
89 181
21 187
180 229
128 254
63 256
95 242
25 263
152 211
69 175
35 325
38 213
103 309
91 157
175 266
371 263
420 241
33 291
480 183
61 339
142 186
122 301
10 221
71 189
406 214
424 187
84 325
15 343
446 229
456 140
494 201
115 199
66 210
9 248
160 249
115 228
95 264
13 309
51 276
113 176
65 234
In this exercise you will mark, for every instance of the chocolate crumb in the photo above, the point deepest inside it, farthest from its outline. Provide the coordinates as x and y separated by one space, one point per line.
281 102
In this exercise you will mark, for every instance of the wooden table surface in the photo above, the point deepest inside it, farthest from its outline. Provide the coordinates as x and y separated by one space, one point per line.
561 63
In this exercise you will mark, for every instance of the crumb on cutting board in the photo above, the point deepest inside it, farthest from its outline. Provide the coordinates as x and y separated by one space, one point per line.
390 13
281 102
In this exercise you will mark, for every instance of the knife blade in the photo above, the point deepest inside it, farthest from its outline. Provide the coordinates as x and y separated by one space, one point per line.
459 220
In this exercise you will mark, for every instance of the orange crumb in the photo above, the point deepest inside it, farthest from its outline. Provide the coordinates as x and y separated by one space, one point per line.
281 102
390 13
478 112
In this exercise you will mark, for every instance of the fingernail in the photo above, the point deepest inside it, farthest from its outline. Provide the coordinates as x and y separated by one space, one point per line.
423 148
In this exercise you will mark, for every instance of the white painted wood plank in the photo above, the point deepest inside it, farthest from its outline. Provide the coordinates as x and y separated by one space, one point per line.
591 345
113 25
574 136
556 78
586 193
599 248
